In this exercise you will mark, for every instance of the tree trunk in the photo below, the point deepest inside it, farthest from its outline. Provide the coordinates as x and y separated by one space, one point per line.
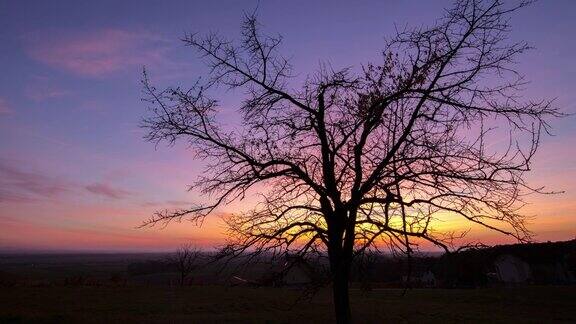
340 256
340 295
340 271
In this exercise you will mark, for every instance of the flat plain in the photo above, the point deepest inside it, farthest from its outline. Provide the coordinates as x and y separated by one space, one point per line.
216 304
48 289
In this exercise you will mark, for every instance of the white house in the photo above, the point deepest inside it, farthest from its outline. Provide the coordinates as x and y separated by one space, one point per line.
298 274
511 269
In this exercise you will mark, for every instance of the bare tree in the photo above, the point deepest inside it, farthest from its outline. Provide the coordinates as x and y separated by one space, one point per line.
186 259
357 159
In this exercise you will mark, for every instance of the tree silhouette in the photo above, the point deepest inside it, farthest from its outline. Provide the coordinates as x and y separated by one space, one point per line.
354 159
186 259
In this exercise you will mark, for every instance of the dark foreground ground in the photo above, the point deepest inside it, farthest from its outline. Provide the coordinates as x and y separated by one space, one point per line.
205 304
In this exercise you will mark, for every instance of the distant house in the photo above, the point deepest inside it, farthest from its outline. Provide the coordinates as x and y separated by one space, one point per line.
299 274
511 269
421 275
292 271
397 272
427 279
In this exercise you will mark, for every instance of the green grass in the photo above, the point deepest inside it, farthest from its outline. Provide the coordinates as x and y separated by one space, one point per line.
269 305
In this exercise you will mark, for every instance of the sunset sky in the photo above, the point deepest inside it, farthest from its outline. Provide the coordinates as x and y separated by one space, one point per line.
75 173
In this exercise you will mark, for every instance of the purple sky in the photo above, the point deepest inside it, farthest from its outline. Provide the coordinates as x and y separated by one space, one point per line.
75 173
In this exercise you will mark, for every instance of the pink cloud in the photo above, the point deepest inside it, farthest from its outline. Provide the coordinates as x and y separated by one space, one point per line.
95 53
4 107
42 88
107 191
18 185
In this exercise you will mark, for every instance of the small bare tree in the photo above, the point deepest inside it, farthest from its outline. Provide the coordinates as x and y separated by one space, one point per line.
186 259
356 159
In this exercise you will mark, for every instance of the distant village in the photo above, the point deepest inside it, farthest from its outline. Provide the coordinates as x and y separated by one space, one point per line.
551 263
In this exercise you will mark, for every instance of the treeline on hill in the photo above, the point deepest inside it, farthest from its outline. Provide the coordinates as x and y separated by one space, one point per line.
541 264
549 263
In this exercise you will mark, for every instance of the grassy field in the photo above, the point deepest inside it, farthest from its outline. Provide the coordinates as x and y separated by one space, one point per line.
269 305
38 290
